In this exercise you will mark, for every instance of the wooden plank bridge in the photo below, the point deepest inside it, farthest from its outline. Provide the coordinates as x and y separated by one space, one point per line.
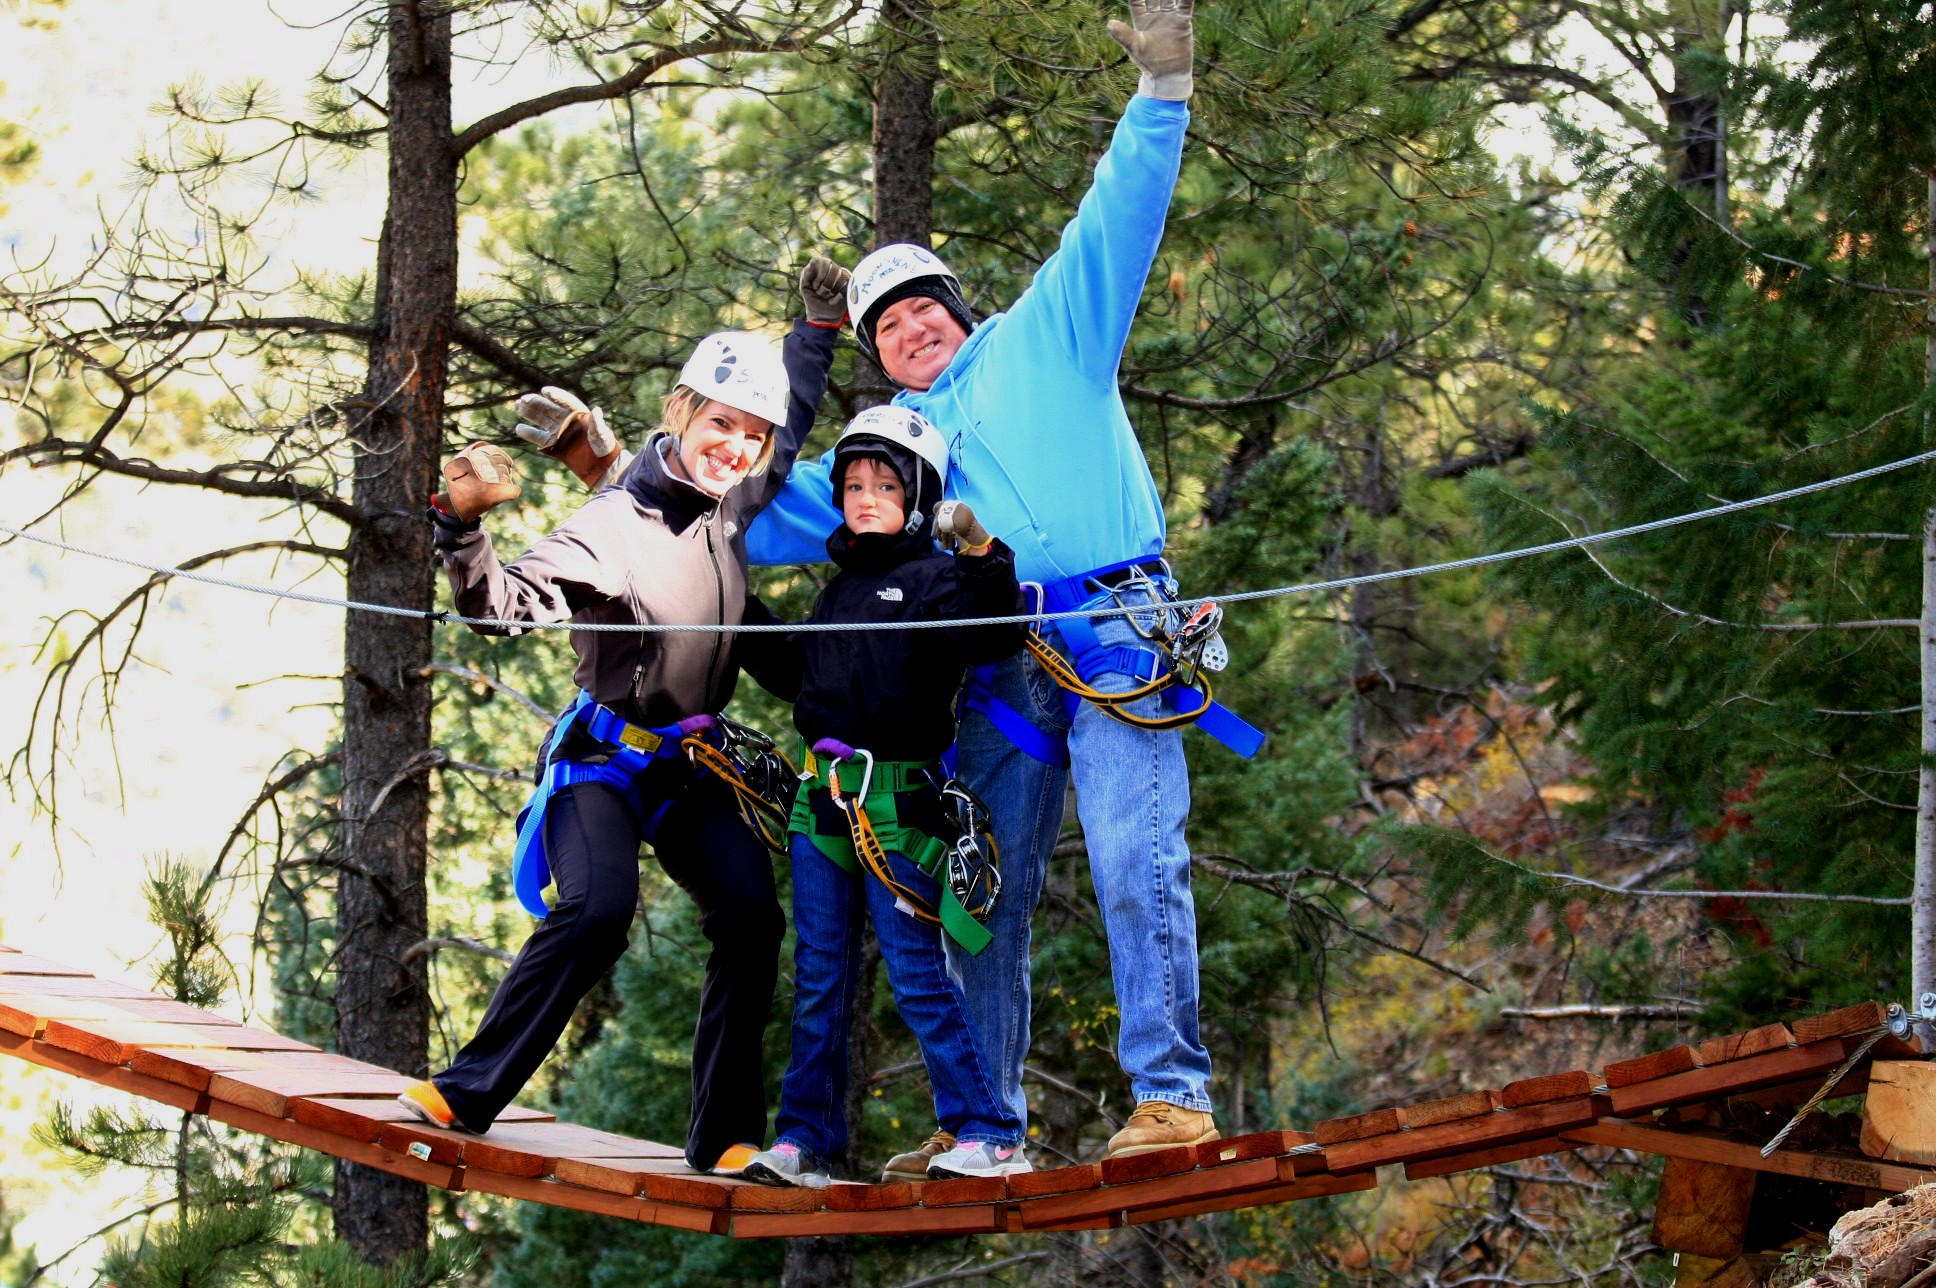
262 1082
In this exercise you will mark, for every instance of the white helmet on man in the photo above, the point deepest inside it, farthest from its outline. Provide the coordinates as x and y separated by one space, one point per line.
742 370
894 273
909 442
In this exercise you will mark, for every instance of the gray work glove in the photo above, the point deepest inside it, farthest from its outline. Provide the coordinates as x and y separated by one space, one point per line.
1158 40
565 429
955 522
823 285
482 476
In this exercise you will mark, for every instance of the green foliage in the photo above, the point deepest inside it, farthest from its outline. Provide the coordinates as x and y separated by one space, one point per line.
1733 673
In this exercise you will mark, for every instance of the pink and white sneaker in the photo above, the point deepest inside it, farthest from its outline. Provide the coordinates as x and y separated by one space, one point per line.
978 1158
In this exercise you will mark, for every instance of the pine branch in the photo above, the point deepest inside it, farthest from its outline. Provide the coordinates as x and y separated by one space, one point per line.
634 79
63 451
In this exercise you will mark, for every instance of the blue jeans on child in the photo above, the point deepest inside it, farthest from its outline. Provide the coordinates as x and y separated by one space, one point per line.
1133 795
828 904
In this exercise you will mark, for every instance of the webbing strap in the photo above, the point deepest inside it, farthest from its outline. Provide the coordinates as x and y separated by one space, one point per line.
1154 672
979 695
636 748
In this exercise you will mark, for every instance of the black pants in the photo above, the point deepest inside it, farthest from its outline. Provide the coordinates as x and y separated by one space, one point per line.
592 840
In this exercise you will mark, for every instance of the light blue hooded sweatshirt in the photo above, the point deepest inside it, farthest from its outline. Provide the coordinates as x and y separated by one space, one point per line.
1038 440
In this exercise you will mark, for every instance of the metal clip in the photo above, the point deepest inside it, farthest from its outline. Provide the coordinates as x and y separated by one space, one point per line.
1902 1021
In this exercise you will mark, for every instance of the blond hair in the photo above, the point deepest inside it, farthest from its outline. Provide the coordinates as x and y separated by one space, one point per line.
685 402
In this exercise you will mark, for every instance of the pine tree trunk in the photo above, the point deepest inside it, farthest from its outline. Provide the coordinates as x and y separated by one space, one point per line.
382 1002
903 149
1696 126
1922 908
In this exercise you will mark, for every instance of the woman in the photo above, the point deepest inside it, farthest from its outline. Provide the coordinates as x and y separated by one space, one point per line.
665 545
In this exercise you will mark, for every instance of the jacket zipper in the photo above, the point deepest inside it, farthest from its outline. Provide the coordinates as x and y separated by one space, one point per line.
719 603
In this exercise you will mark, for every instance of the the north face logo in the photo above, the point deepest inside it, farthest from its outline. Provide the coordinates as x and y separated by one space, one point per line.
892 594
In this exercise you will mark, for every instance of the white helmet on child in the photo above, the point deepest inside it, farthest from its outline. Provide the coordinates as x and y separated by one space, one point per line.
909 442
742 370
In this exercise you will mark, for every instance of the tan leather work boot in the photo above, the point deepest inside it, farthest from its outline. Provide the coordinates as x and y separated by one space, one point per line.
913 1165
1158 1124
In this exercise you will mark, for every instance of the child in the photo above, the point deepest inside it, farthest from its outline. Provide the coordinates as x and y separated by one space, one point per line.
877 709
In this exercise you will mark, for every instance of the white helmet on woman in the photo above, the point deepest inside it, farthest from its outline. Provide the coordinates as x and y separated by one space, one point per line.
893 273
908 442
742 370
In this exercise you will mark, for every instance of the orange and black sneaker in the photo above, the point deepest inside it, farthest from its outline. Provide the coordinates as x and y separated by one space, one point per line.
731 1163
426 1102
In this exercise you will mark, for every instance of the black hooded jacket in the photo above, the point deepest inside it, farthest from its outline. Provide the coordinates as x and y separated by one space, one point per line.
893 692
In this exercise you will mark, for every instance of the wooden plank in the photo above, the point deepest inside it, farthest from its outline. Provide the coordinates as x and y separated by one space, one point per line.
1787 1065
27 1014
1703 1208
963 1189
116 1042
106 1074
1238 1149
750 1197
615 1175
531 1149
1627 1073
1378 1122
1859 1018
1308 1188
67 986
27 964
1836 1168
1450 1109
295 1133
1464 1135
350 1119
846 1196
691 1189
1108 1221
1899 1113
556 1194
1203 1183
270 1090
1055 1180
1547 1087
196 1069
1421 1169
983 1218
1143 1167
1738 1046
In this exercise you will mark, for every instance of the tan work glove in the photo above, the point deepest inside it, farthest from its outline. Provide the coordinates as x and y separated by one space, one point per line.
823 285
482 476
1158 39
955 523
565 429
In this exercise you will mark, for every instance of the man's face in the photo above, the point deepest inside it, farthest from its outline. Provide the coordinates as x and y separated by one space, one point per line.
872 498
917 338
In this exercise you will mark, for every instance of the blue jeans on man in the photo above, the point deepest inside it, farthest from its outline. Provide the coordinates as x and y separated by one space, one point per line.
829 903
1133 796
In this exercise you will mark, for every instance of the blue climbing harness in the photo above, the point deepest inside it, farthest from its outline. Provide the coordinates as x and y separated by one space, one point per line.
1153 666
634 749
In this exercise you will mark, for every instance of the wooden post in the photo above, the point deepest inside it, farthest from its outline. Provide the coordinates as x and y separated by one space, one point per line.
1899 1113
1703 1208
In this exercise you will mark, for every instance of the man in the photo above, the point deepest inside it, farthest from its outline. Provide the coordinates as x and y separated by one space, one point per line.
1043 450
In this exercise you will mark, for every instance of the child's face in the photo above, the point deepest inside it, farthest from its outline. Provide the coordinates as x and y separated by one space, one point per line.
872 498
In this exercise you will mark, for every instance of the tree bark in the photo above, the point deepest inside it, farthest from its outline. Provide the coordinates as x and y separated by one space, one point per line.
904 135
1697 128
382 999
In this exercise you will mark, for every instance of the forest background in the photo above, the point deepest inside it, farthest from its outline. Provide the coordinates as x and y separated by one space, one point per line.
1441 277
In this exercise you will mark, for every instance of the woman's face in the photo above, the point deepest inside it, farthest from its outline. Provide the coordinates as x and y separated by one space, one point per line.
872 498
720 447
